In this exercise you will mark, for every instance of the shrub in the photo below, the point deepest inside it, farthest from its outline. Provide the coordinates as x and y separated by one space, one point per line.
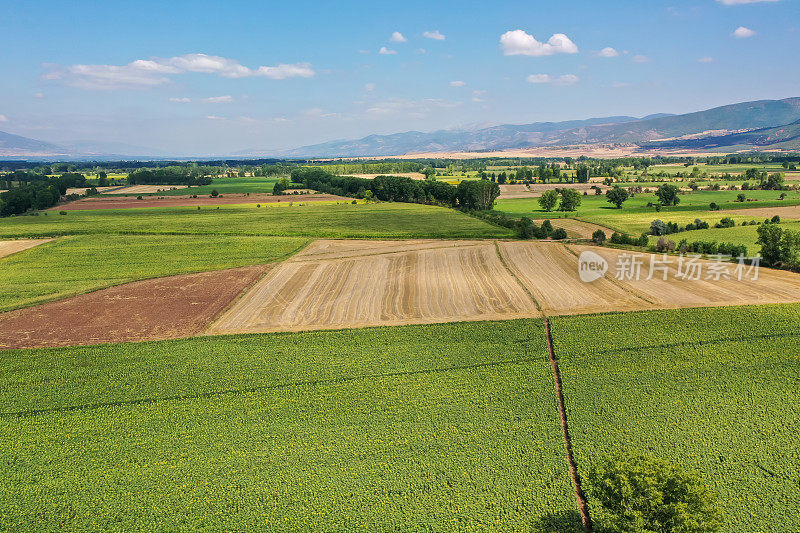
62 212
645 494
726 222
599 237
713 206
214 193
559 234
741 198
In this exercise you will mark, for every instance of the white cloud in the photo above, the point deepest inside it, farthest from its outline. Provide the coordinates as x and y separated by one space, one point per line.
639 58
517 42
397 37
706 60
386 52
227 99
143 73
608 52
182 100
566 79
435 35
478 96
458 83
215 117
370 86
3 118
743 33
39 95
739 2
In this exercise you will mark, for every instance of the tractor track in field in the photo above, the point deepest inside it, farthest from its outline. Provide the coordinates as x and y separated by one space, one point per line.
580 496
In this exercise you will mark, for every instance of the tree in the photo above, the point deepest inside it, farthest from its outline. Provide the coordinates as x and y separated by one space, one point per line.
526 228
645 494
779 247
548 200
599 237
280 186
570 200
582 174
668 194
617 196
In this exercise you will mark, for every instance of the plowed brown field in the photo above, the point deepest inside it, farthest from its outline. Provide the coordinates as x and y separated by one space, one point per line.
163 308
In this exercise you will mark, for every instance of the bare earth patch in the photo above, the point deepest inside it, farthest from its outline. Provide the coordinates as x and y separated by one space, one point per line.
162 308
790 211
122 202
11 247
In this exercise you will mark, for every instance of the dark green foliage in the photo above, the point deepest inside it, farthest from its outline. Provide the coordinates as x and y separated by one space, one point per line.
668 194
559 234
779 247
599 237
548 200
570 200
644 494
172 175
617 196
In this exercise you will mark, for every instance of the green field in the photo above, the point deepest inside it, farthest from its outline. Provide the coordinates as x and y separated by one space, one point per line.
379 429
635 217
73 265
737 235
716 390
384 220
253 185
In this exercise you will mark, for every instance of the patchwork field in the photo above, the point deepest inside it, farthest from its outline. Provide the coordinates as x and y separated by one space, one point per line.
715 390
576 229
377 429
144 189
789 211
336 284
385 284
11 247
161 308
128 202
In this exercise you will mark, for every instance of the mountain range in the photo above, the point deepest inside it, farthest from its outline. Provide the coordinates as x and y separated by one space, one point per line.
757 125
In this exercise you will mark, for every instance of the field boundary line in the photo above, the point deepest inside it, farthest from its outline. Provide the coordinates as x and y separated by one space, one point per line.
284 385
722 340
580 496
519 281
286 257
310 259
630 290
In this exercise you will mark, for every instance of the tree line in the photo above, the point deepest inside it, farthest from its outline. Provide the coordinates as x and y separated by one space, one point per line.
172 175
477 195
35 194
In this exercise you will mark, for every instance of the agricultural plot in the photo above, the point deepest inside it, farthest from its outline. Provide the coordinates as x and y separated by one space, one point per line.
143 189
576 229
129 202
74 265
388 284
715 390
381 429
746 235
161 308
790 212
82 190
290 218
11 247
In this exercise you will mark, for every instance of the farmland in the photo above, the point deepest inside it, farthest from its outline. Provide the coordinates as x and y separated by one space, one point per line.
243 185
376 429
715 390
72 265
385 220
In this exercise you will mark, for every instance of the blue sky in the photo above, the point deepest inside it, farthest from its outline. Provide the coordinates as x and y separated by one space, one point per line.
197 78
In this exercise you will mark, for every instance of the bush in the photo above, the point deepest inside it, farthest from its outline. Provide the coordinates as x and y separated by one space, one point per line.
741 198
599 237
726 222
713 206
62 212
559 234
644 494
214 193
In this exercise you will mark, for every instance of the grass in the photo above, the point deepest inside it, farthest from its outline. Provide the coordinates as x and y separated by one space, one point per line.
384 220
74 265
715 390
737 235
377 429
223 186
635 217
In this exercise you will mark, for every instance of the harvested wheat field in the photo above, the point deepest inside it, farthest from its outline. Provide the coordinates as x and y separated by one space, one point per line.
790 212
412 175
130 202
11 247
576 229
82 190
144 189
389 283
162 308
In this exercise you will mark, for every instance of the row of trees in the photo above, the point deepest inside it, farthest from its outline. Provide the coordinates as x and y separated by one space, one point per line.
172 175
477 195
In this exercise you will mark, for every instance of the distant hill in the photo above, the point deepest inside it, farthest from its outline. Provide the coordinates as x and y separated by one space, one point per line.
718 121
779 137
15 145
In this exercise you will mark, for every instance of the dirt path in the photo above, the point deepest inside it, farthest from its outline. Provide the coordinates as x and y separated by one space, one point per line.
580 496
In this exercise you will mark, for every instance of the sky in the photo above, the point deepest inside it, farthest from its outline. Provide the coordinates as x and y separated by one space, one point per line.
216 78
